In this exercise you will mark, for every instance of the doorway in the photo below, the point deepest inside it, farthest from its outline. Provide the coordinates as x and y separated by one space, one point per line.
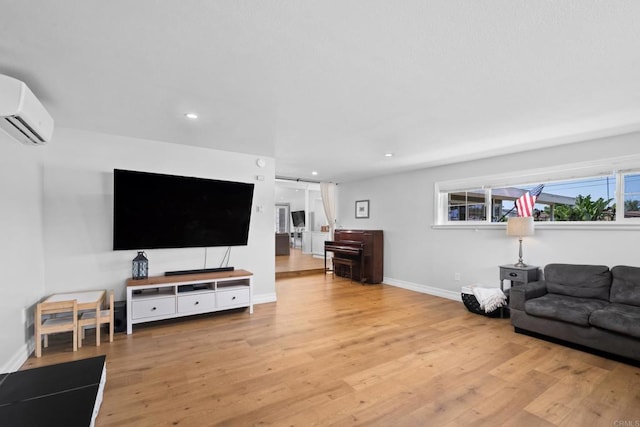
283 213
298 198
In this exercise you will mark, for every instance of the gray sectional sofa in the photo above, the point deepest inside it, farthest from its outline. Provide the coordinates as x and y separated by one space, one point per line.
588 305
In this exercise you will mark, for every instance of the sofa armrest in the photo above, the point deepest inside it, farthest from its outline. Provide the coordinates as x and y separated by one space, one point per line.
521 293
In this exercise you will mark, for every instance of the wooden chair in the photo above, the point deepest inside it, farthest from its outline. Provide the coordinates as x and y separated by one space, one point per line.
63 318
103 316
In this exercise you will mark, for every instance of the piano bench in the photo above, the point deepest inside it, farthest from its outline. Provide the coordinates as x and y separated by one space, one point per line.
345 262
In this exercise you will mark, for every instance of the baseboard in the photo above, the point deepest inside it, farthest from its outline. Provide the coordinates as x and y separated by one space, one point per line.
417 287
264 298
18 359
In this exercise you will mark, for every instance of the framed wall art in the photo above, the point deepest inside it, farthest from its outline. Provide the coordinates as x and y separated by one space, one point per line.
362 209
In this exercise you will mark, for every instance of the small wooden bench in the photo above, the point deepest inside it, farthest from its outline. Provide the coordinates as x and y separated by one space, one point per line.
345 262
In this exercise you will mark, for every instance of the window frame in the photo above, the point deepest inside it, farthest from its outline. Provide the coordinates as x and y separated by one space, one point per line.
620 189
619 168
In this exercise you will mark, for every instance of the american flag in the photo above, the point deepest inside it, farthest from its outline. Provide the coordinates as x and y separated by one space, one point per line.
527 201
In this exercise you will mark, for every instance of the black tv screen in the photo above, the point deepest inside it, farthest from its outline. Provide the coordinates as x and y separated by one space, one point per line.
154 211
298 218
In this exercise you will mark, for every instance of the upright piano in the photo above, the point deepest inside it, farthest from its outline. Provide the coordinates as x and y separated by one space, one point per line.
364 248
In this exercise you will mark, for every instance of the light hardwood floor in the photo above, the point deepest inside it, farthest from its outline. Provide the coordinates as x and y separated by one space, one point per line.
333 352
298 264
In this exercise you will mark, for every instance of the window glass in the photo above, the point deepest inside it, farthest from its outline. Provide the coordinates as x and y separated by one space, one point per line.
587 199
467 206
596 197
632 196
593 199
503 201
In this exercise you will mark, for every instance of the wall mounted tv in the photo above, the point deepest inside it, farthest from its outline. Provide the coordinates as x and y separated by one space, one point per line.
298 218
153 211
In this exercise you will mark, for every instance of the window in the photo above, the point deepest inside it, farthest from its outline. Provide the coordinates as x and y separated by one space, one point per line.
589 198
467 206
593 199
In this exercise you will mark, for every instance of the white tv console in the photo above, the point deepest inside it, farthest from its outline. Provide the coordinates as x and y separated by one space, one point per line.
166 297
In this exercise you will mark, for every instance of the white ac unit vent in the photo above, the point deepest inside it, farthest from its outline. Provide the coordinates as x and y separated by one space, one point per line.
22 116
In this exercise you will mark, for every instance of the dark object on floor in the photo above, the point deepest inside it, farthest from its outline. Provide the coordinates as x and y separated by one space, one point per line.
120 316
66 394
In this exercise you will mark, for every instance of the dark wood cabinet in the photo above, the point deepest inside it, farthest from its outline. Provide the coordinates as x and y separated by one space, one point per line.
369 265
282 243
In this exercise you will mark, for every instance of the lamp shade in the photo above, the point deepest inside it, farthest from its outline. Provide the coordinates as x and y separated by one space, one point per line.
520 226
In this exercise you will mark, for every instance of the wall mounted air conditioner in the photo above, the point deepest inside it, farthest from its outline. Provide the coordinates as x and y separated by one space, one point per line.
22 116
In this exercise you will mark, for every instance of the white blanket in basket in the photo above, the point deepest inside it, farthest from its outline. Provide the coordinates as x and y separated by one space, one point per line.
489 298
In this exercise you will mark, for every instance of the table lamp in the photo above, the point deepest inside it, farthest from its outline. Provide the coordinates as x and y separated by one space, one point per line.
520 226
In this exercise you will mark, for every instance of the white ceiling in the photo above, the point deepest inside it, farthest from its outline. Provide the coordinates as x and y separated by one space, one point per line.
333 85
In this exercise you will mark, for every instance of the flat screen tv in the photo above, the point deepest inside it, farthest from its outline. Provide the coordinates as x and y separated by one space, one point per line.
298 218
154 211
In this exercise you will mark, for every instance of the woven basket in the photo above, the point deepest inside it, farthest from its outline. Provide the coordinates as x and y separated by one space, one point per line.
473 306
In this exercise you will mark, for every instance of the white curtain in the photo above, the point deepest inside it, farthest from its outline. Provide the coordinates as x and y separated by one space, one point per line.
328 192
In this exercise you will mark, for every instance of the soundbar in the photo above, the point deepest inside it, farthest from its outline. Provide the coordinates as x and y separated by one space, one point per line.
198 271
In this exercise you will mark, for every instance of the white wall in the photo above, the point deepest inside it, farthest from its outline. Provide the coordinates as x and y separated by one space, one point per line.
58 212
21 248
78 210
294 196
420 257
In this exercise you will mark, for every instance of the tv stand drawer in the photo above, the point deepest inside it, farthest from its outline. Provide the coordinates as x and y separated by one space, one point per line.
154 307
233 297
198 303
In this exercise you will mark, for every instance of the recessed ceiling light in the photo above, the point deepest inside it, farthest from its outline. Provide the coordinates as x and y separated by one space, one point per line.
191 116
388 154
314 173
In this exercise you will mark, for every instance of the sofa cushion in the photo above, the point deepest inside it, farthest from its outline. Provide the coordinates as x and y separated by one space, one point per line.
625 287
621 318
561 307
583 281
